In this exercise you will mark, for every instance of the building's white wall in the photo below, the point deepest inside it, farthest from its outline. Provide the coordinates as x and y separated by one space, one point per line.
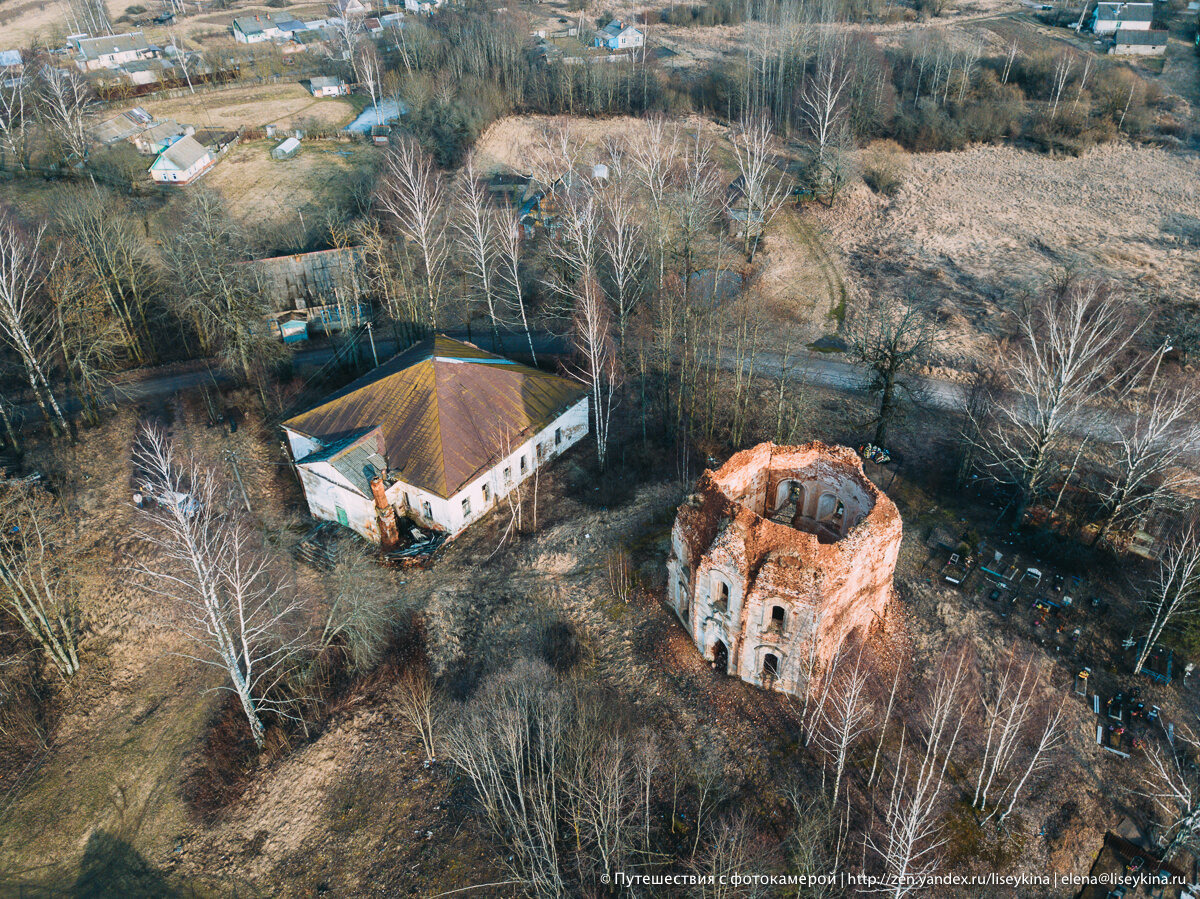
326 490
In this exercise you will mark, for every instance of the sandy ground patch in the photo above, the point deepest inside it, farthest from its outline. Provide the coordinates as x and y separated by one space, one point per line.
288 105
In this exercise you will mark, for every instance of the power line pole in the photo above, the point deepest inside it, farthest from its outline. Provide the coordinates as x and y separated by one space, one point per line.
233 460
371 337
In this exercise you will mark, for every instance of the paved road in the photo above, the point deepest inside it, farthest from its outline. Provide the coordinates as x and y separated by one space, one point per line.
814 368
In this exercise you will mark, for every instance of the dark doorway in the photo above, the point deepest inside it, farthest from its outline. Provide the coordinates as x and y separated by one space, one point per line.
720 657
770 670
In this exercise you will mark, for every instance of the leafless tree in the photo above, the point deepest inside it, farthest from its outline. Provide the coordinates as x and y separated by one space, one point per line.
508 235
1007 704
619 567
652 159
214 289
892 338
911 840
64 100
1063 360
593 341
26 319
217 584
821 100
846 717
511 744
731 851
1051 738
16 117
984 383
1062 71
624 253
412 194
1175 588
1148 462
763 187
369 71
698 205
476 228
36 580
360 609
1174 788
421 706
102 231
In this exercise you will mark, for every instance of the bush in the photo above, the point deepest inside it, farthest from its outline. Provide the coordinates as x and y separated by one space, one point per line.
884 167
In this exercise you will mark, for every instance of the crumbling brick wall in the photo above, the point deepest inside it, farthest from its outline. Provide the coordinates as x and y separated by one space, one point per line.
781 556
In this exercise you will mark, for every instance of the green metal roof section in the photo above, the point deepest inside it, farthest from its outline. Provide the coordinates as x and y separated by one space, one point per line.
446 412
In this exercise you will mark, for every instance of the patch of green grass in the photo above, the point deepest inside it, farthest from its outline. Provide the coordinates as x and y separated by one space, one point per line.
838 312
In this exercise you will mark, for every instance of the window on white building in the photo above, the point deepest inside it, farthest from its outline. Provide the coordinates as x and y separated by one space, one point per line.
558 436
466 507
427 510
487 494
524 465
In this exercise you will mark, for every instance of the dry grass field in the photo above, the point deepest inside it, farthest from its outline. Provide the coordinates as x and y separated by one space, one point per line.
259 188
254 106
972 228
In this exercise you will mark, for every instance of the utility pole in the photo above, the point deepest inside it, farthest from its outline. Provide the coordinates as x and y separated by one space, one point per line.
233 460
371 337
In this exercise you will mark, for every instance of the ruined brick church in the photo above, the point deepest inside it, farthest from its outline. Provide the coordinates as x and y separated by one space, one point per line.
781 557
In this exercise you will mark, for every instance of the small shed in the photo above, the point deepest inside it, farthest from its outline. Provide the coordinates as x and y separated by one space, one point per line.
381 134
293 326
1139 43
287 149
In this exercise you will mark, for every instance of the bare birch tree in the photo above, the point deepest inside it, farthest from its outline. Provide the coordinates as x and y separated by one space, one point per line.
412 194
26 319
64 100
653 158
763 187
476 228
821 99
1007 704
1174 589
1063 360
216 583
421 707
36 584
1174 788
624 253
593 342
1148 460
909 846
1051 738
508 236
846 717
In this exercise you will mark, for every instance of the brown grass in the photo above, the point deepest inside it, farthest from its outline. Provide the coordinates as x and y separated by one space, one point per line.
288 105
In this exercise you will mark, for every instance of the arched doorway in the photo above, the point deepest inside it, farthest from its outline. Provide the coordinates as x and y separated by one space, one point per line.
682 597
720 657
790 494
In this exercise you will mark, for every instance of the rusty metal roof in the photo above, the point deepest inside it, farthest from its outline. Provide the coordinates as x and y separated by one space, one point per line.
446 411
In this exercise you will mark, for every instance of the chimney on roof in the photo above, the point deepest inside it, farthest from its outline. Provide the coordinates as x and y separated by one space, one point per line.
389 531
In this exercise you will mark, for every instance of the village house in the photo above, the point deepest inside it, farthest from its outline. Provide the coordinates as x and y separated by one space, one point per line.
259 28
112 50
616 35
341 8
326 86
11 67
182 162
1110 17
1139 43
123 126
161 135
440 433
780 559
423 6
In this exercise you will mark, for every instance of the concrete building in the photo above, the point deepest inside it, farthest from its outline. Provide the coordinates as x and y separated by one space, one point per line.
112 50
1139 43
616 35
1110 17
779 559
440 433
327 86
182 162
